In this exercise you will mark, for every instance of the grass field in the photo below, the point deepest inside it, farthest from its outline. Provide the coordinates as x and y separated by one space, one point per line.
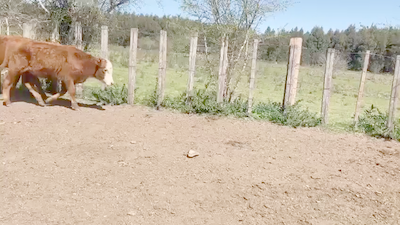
270 82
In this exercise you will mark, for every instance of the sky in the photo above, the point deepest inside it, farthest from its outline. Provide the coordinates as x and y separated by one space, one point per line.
336 14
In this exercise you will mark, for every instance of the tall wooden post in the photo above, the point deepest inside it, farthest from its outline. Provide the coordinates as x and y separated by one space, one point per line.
27 30
7 27
327 85
289 96
394 96
55 35
78 35
78 44
162 68
252 77
132 65
104 42
223 66
361 88
192 67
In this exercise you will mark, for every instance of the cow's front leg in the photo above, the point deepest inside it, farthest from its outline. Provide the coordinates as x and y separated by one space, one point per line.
71 90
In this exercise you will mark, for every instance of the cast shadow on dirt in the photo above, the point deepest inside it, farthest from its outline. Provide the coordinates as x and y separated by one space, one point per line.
25 96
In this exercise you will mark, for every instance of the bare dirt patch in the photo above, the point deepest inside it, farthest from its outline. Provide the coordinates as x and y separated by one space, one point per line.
125 165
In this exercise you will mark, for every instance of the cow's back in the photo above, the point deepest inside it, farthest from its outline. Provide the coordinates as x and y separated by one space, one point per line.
11 43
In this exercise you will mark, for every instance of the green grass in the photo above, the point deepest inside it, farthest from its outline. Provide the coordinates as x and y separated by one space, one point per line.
270 82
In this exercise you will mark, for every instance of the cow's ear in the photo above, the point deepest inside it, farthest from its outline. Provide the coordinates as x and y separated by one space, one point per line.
101 62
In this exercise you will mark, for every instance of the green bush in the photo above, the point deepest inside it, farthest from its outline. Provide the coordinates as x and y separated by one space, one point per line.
204 101
293 116
114 95
373 123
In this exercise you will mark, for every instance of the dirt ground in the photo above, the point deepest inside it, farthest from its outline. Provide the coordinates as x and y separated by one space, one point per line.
128 165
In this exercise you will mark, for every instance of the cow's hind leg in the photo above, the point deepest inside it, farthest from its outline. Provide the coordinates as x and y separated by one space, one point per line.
9 81
38 87
27 80
57 95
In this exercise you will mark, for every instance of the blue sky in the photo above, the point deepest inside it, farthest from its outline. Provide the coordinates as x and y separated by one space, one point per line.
306 14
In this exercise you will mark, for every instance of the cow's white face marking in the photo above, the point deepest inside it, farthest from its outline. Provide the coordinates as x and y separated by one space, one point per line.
108 73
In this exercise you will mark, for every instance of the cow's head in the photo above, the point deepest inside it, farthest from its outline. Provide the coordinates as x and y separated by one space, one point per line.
105 72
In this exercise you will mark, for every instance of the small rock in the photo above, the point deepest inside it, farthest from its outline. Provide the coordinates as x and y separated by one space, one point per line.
192 154
132 213
133 142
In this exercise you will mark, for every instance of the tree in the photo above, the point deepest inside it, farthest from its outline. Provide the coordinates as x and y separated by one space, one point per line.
316 45
235 19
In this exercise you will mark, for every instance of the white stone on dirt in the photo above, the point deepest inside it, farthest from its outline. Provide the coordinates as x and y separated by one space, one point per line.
133 142
132 213
192 154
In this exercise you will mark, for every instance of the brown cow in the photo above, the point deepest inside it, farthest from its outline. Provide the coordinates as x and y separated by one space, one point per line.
66 63
9 44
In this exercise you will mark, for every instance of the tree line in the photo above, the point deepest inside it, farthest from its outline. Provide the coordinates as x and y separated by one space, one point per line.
351 43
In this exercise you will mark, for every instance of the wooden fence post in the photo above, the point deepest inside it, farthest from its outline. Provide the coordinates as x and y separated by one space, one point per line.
104 42
289 96
55 35
327 85
220 93
132 65
223 66
27 30
252 78
78 44
394 96
192 67
162 68
78 35
7 27
361 89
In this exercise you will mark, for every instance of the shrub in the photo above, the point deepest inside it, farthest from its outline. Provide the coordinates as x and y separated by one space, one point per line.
114 95
293 116
204 101
373 123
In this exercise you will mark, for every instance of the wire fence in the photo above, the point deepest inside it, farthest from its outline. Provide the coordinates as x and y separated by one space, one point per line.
270 77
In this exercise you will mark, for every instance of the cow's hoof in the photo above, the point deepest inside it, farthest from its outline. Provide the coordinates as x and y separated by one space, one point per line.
7 104
75 107
42 104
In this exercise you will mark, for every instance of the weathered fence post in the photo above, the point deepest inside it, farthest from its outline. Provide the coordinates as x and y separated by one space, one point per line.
78 44
78 35
394 96
104 42
104 45
27 30
252 77
223 65
7 27
132 65
220 93
162 68
327 85
361 89
55 35
192 67
289 96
